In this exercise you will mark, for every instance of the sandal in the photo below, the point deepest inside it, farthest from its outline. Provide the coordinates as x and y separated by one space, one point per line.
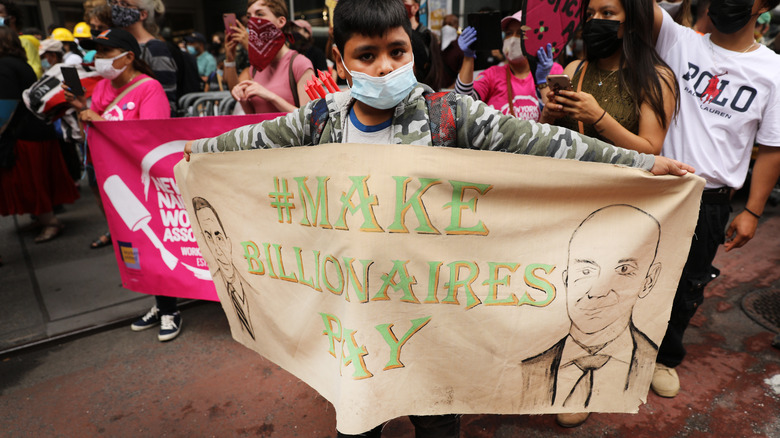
100 242
49 232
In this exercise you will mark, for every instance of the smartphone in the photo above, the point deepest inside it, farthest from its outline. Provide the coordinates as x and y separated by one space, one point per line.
70 77
488 27
559 82
230 21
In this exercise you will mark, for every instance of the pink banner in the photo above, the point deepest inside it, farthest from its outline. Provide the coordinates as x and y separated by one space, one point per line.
153 241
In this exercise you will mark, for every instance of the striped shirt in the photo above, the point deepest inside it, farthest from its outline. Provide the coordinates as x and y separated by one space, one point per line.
157 55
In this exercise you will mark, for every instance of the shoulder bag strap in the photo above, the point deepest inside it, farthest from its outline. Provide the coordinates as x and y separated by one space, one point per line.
121 96
293 82
584 66
510 92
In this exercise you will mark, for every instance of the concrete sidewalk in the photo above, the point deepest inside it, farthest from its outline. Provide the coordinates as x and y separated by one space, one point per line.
119 383
61 287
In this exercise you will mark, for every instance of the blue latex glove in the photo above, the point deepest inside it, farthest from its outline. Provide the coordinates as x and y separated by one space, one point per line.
466 38
544 66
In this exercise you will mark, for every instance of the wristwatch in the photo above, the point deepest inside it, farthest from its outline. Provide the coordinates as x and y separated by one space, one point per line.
541 86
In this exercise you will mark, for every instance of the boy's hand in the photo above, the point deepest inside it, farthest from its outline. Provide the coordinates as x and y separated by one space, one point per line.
468 36
667 166
188 150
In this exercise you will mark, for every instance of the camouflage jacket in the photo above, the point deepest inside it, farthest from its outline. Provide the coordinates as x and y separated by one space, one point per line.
477 126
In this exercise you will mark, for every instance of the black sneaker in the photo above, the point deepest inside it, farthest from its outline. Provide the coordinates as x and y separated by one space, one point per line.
170 326
151 319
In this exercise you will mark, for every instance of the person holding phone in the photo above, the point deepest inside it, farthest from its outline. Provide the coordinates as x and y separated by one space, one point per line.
126 92
623 92
509 88
275 83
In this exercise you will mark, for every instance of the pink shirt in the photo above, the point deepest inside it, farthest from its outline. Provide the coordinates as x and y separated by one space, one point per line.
146 101
491 87
276 77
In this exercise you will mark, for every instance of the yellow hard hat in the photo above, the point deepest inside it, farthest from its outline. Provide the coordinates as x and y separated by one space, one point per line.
82 30
62 34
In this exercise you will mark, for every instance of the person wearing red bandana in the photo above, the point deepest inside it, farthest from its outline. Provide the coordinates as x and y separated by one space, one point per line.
276 78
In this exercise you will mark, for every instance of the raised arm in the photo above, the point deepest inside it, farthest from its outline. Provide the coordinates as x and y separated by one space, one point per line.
464 84
658 19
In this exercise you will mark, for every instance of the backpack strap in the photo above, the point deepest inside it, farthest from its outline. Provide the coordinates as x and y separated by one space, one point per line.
317 119
121 96
293 82
441 118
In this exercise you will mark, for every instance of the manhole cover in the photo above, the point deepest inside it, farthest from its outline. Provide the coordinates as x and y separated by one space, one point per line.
763 307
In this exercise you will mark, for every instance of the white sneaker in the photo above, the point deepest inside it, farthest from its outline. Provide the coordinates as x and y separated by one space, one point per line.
151 319
170 326
666 382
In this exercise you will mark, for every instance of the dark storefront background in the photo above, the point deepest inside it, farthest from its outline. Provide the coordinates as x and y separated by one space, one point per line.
184 16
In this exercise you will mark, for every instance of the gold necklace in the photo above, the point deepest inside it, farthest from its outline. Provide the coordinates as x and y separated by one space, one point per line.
712 50
601 80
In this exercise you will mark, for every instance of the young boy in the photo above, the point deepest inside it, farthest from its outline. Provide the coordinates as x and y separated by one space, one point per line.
729 98
386 105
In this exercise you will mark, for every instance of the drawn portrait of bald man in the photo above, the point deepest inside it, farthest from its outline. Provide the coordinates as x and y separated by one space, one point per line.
610 266
221 248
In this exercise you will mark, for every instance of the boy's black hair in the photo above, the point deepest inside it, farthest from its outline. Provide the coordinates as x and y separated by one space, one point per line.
368 17
771 4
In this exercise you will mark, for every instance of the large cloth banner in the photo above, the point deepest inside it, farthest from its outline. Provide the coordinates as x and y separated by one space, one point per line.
401 280
154 245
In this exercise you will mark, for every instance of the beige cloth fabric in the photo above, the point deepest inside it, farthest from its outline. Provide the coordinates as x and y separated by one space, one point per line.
498 267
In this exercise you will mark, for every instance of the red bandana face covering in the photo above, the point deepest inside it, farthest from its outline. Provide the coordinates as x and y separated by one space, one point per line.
265 40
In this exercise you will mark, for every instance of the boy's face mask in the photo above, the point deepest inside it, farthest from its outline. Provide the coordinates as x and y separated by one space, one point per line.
729 16
265 40
383 92
2 21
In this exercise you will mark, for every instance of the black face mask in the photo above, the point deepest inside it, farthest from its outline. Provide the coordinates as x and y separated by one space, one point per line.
729 16
601 37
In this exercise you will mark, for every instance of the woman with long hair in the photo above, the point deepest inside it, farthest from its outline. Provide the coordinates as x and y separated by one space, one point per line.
623 93
33 176
280 84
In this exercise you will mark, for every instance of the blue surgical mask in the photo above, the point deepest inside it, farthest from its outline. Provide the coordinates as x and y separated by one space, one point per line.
383 92
45 64
2 21
192 51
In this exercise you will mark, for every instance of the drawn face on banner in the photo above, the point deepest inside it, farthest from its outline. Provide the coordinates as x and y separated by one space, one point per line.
265 40
608 271
551 22
218 242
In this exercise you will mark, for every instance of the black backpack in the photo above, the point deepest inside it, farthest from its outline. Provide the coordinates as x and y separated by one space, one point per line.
187 78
